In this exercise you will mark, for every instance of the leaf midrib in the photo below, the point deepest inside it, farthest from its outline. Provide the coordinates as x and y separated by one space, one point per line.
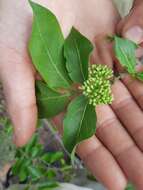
80 62
47 50
78 110
53 97
126 57
78 133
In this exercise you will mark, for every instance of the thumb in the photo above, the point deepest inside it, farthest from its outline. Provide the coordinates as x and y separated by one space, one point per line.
18 84
131 27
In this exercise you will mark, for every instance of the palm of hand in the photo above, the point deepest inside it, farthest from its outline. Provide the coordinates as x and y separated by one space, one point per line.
112 153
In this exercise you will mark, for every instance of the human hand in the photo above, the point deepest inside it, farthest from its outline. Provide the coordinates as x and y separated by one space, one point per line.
119 126
131 26
126 108
16 71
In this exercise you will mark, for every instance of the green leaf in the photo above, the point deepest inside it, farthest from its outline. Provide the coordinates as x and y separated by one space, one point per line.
17 166
35 172
23 175
139 76
31 144
79 123
23 172
51 174
47 185
49 102
37 151
130 187
56 156
125 53
46 47
20 168
77 50
52 157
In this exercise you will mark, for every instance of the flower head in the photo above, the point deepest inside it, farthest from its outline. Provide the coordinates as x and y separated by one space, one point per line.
98 86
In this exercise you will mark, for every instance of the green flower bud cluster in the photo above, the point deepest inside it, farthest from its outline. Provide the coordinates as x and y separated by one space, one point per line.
98 86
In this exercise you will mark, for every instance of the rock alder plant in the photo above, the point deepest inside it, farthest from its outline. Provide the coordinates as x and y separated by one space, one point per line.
69 81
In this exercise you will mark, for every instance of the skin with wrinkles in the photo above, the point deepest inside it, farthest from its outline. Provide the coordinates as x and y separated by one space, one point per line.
114 154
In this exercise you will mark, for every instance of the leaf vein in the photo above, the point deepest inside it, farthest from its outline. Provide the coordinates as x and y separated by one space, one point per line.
53 97
80 62
80 126
48 52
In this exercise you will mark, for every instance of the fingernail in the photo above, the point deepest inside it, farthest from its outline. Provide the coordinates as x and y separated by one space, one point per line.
135 34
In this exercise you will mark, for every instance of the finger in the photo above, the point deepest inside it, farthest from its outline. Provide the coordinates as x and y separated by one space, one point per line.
128 112
116 139
88 148
135 87
132 26
139 52
107 177
102 164
18 82
104 51
94 59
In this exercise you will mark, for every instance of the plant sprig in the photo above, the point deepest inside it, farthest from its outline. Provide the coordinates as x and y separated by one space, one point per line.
33 165
64 66
125 52
57 59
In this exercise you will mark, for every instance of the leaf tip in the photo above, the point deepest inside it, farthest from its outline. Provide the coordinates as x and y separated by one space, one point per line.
30 2
33 4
